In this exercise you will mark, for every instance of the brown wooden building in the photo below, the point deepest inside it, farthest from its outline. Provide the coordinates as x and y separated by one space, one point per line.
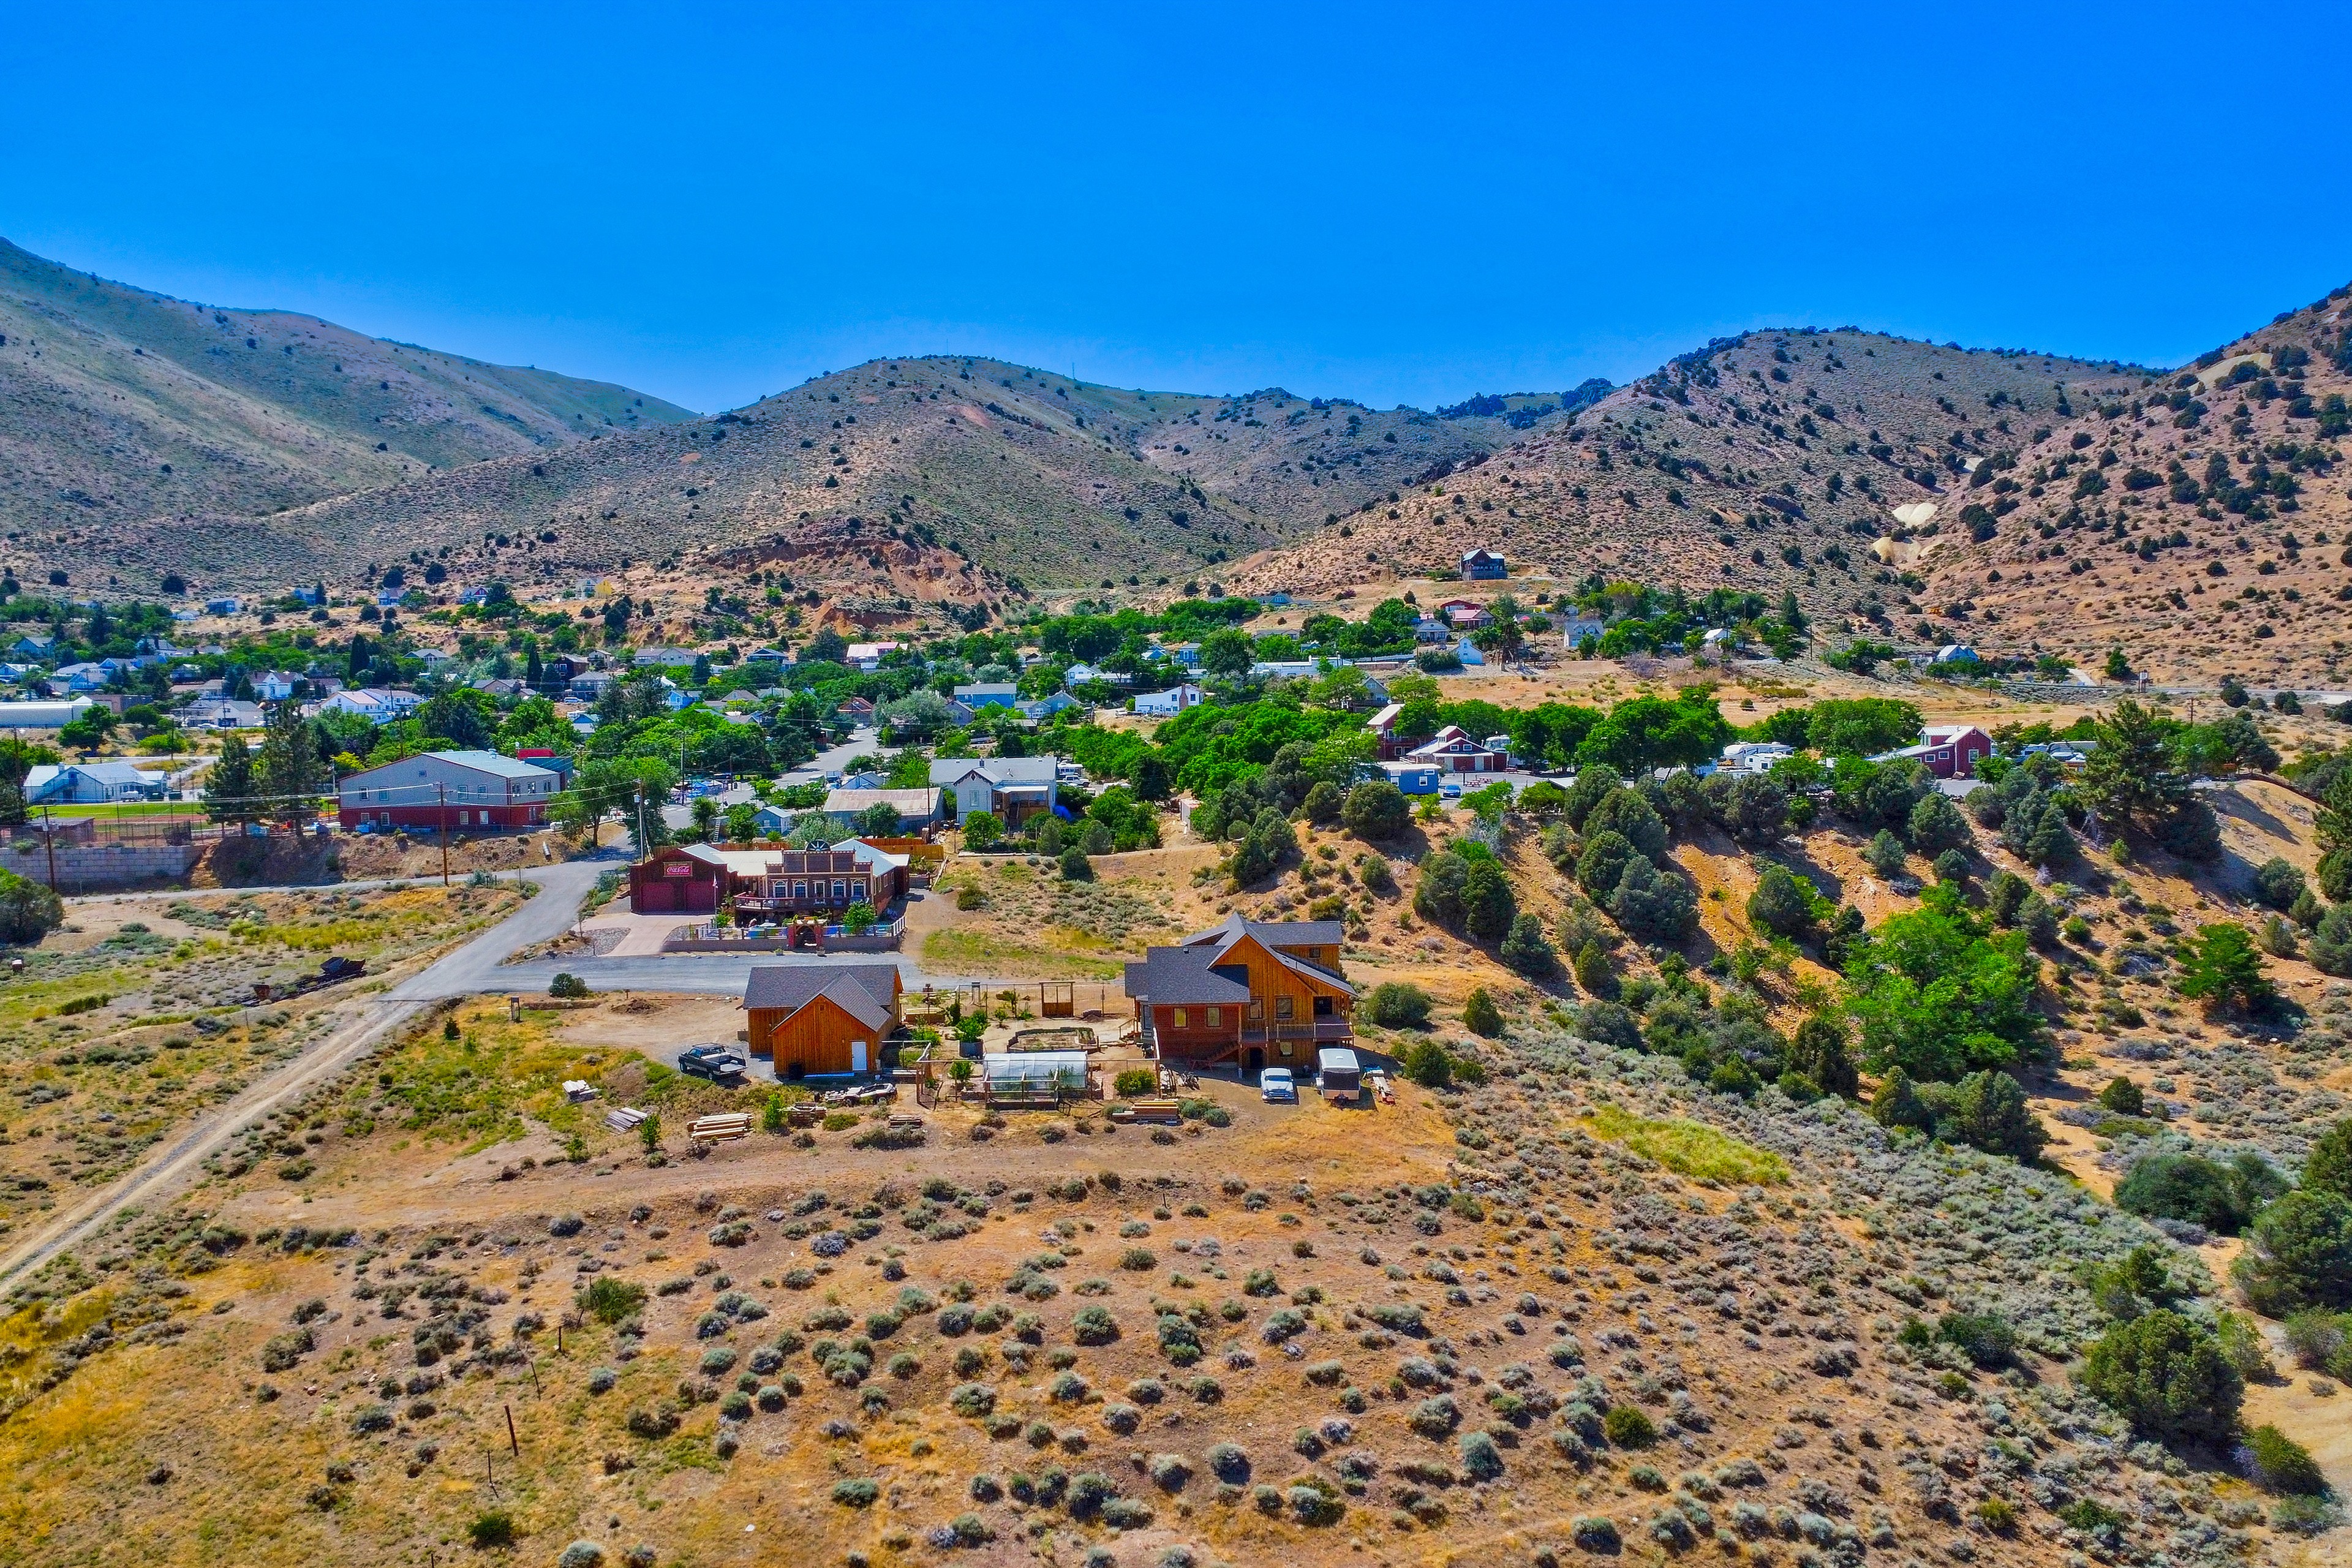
822 1020
1253 994
687 880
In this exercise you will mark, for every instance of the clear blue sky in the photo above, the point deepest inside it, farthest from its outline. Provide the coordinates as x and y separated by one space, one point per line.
714 202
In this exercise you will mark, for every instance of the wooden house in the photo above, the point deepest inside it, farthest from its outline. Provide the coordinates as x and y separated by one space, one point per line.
1247 992
823 1020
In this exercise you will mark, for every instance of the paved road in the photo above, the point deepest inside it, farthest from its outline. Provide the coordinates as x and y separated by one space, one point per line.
698 974
468 969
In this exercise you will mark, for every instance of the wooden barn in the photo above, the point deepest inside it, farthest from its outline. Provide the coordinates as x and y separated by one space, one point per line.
820 1020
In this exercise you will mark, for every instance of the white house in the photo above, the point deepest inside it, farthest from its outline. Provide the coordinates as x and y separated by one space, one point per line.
1167 704
1753 756
1012 789
379 703
91 784
274 685
222 713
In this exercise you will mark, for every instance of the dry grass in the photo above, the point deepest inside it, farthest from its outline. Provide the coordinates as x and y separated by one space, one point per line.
1692 1148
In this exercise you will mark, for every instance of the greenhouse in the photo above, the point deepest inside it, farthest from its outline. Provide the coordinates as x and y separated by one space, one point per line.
1045 1076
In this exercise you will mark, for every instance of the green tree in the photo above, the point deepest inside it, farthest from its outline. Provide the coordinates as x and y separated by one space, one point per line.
1938 998
1821 1050
1526 950
1779 904
1624 812
1602 865
649 1133
18 758
2186 1187
1653 905
1936 826
1480 1015
1075 867
1897 1104
1376 810
2328 1167
1227 653
1593 975
2131 776
1885 855
1987 1111
982 830
2224 967
2166 1375
228 784
1488 905
2298 1254
29 911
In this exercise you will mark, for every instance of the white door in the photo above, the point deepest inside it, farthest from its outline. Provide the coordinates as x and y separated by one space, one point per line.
857 1055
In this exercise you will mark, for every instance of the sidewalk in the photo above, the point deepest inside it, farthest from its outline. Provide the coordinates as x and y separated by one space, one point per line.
641 935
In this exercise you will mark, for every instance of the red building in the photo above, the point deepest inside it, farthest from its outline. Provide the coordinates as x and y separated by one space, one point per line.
1947 750
457 791
684 879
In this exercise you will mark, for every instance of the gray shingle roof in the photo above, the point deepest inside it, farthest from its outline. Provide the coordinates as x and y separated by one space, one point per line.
864 991
1182 975
1291 933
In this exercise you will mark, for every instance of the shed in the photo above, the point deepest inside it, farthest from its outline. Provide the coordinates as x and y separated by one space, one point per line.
821 1019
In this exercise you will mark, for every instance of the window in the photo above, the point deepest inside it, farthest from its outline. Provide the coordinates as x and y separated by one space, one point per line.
1257 1009
1176 1019
799 890
840 892
1214 1015
1282 1007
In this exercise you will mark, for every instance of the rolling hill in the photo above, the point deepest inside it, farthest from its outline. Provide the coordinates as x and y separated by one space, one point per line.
120 406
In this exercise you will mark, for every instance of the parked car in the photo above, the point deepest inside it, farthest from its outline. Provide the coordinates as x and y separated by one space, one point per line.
719 1064
1450 790
1276 1086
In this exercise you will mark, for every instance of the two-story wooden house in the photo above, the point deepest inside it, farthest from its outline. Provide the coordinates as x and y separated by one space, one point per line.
1245 992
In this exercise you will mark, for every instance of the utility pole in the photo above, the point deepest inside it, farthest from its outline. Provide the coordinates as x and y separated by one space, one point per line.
442 791
641 819
50 837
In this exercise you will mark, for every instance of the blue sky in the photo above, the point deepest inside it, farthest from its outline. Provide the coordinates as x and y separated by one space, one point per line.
715 202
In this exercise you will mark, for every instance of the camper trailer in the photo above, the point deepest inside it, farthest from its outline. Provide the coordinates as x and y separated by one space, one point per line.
1338 1075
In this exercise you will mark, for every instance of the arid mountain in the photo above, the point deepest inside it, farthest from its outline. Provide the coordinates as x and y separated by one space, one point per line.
2201 524
1772 459
895 478
121 405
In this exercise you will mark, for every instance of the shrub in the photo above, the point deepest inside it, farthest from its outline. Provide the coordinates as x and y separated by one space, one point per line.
1425 1062
1480 1015
1094 1326
581 1554
855 1493
1075 867
2166 1376
608 1299
2299 1255
1885 855
1779 904
1481 1460
567 984
29 911
1525 948
2185 1187
2282 1464
1395 1005
1985 1338
1608 1024
2278 883
1627 1428
1134 1081
495 1528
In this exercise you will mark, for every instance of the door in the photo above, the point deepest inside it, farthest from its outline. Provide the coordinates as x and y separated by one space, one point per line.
857 1055
1257 1058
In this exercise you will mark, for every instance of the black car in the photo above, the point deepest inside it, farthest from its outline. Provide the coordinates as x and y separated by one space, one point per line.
718 1063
